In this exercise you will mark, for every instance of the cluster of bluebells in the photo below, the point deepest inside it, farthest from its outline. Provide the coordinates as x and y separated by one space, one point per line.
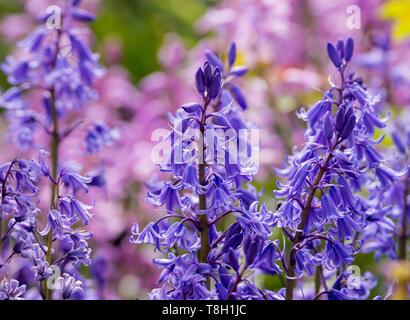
218 261
387 231
11 290
57 68
45 239
23 239
324 214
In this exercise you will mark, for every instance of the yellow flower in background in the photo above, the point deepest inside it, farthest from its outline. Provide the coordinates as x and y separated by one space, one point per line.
399 12
398 272
240 59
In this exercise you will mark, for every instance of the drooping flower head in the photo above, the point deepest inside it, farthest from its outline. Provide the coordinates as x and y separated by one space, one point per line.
323 214
210 159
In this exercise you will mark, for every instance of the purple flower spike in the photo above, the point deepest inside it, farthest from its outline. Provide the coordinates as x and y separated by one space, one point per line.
341 171
200 197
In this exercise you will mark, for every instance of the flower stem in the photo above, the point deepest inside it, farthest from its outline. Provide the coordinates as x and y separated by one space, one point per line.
317 281
238 280
3 198
403 234
55 144
205 246
290 283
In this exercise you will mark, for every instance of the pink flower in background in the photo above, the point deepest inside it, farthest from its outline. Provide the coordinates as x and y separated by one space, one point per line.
15 26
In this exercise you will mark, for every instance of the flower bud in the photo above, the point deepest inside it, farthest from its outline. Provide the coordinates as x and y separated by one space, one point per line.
340 117
233 242
251 249
348 128
199 81
240 99
233 259
207 74
349 112
333 55
214 60
349 49
340 47
233 229
232 54
328 126
215 85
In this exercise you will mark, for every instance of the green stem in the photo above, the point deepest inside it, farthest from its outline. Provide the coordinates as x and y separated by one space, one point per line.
55 144
317 281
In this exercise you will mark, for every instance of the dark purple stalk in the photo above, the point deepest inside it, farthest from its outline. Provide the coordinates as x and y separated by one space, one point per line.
204 226
403 234
8 231
282 258
222 236
217 219
236 283
3 197
290 283
321 294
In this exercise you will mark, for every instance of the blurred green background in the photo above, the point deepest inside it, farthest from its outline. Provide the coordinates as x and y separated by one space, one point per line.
139 24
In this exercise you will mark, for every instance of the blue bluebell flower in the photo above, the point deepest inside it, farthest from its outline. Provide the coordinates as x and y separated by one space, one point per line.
11 290
69 286
202 194
323 179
